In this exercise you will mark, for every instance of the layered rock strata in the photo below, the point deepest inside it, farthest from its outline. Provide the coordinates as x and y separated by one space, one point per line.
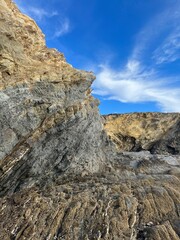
156 132
60 176
49 121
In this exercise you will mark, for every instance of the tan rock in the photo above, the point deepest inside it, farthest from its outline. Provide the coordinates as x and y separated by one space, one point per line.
145 131
60 176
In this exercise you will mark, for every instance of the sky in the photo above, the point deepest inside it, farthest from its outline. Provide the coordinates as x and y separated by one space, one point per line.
132 46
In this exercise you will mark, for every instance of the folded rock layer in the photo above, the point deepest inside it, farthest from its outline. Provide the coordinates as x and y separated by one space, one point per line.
60 174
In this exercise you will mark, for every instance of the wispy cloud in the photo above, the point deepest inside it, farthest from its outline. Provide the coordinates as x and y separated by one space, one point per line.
63 28
43 16
37 13
166 24
135 84
40 13
169 50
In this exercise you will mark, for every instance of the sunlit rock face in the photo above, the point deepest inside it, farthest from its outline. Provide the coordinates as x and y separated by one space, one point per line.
60 175
49 120
155 132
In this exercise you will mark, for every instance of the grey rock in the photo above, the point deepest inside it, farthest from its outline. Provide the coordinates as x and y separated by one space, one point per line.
60 174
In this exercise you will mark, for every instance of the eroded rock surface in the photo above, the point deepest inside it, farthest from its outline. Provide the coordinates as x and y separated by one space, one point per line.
60 176
155 132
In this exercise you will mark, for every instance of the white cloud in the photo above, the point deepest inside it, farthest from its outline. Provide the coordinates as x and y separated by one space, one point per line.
64 27
36 13
135 84
40 13
169 50
164 24
133 66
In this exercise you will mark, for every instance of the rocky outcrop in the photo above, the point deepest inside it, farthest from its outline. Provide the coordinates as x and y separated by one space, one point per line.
155 132
137 198
60 176
49 121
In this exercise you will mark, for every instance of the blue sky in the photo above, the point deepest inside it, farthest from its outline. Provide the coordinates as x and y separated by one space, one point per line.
133 47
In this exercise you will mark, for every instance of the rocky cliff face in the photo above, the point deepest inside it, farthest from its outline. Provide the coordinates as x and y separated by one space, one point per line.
155 132
49 121
60 176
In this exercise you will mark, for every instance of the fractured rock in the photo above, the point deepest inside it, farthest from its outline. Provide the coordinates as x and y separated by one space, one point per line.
60 175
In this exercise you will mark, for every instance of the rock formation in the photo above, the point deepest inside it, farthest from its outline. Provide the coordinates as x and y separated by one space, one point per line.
155 132
60 175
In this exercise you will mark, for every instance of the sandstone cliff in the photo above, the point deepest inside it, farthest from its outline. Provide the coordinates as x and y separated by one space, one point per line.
155 132
60 176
